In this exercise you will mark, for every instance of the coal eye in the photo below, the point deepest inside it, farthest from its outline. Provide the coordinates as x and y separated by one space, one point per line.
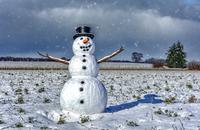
81 38
88 39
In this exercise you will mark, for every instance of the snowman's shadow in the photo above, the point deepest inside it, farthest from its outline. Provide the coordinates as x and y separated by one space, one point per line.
149 98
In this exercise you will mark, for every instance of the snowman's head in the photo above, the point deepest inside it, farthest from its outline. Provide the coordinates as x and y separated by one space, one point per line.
83 45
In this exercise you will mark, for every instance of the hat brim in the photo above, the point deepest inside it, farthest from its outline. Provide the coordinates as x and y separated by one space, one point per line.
83 34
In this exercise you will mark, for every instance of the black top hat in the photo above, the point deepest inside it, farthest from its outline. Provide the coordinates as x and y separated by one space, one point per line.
83 31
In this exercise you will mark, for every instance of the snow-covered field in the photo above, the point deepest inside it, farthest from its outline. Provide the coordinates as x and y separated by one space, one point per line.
145 100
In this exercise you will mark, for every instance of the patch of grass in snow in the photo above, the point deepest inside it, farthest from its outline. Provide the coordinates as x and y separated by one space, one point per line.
1 121
111 88
47 100
166 82
21 81
132 123
26 91
167 89
10 74
148 87
21 110
18 91
192 99
40 90
84 119
65 76
189 86
169 100
6 93
19 125
20 100
136 96
44 128
30 119
61 120
166 112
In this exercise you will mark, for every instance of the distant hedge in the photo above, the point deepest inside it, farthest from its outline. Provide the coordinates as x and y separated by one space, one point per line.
194 65
9 58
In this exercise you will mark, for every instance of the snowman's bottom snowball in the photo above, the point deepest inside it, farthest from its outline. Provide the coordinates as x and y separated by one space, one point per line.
83 95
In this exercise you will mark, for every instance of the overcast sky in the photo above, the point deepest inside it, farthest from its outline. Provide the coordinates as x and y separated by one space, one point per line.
147 26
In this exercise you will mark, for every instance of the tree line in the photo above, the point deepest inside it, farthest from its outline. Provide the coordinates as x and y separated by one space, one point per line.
10 58
176 57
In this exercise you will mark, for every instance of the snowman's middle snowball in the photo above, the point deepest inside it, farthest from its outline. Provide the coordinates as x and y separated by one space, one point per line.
83 65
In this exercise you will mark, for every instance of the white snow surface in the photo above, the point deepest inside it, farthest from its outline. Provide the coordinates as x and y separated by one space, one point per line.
145 100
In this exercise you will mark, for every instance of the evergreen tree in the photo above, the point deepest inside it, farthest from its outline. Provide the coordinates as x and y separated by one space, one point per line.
176 57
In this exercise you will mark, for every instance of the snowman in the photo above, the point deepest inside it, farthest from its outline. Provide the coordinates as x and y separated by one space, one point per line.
83 93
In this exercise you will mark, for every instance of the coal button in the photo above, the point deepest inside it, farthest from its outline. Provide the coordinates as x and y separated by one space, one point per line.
81 101
84 60
81 89
82 82
84 67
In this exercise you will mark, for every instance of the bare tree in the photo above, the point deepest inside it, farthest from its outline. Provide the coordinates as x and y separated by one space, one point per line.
137 57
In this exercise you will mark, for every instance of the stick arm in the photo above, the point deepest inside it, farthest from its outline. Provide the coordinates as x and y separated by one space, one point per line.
106 58
54 58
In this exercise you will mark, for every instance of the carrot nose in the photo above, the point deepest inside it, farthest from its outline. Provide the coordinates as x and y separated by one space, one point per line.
85 41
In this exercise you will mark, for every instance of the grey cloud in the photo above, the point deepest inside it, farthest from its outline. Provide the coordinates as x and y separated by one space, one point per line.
139 25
